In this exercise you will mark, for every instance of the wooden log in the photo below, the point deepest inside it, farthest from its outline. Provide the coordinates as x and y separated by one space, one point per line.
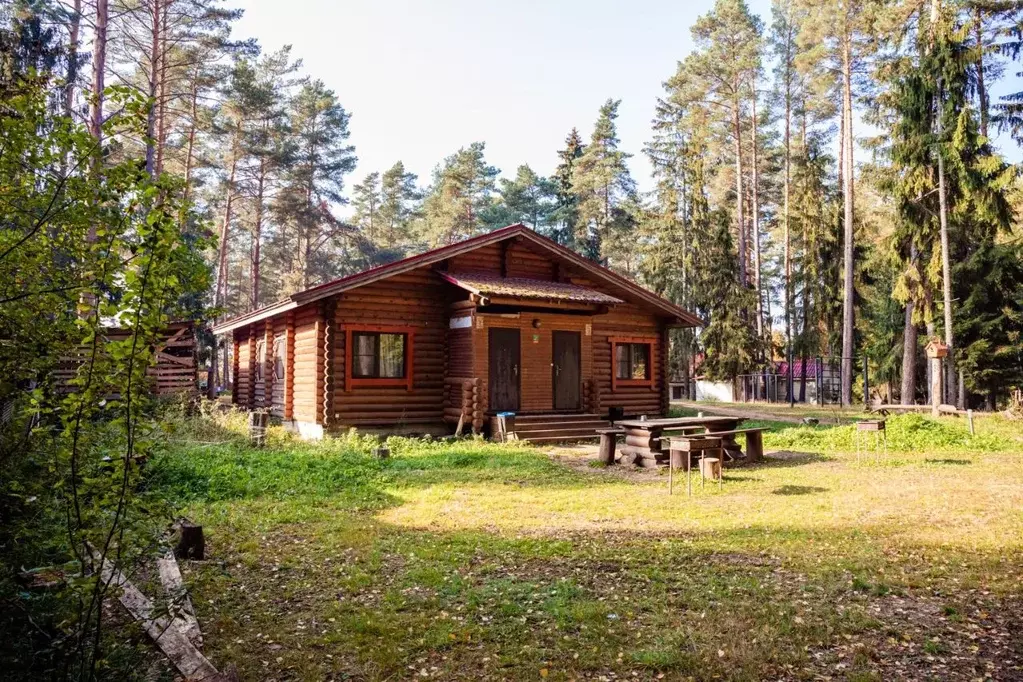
181 604
172 642
638 452
648 442
606 450
191 541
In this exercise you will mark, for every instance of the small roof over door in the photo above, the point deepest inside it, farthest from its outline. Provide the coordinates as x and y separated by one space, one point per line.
492 286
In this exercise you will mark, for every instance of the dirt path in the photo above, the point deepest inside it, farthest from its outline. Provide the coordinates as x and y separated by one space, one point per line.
753 413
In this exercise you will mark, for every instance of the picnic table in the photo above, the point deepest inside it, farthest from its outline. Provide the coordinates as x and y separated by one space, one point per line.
646 440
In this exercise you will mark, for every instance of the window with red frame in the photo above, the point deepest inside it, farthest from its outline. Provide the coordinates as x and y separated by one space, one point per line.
632 361
379 355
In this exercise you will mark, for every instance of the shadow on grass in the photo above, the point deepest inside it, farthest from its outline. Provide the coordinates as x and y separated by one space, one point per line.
950 461
798 490
780 459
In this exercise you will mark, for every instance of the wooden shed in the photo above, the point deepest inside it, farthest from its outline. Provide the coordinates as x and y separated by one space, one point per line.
509 321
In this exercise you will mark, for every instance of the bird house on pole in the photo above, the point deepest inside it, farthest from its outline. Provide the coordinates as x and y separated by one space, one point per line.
936 349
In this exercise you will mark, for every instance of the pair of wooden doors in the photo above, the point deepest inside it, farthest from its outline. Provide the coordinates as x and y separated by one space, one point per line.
505 369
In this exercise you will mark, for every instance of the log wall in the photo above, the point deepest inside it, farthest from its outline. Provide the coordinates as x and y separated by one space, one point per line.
417 302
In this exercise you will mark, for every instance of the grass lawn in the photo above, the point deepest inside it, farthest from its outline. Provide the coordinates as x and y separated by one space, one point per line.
831 414
470 560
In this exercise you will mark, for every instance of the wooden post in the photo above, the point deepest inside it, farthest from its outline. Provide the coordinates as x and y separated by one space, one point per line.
754 446
935 351
608 443
969 421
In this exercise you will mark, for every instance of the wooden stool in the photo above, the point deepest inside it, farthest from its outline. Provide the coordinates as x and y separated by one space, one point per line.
684 447
875 426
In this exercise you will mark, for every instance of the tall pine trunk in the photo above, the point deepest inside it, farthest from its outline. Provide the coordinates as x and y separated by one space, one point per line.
982 103
907 394
220 290
161 102
153 86
257 234
740 218
946 267
786 191
847 299
754 190
74 30
99 65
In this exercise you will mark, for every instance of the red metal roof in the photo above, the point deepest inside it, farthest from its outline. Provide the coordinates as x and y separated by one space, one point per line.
436 255
491 285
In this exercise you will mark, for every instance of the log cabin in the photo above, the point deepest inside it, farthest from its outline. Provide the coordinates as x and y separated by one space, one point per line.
506 322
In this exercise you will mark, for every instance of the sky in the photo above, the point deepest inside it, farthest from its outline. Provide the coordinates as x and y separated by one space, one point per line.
422 79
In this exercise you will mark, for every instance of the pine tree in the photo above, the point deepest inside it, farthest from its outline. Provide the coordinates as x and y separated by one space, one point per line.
366 204
461 195
266 150
527 198
317 243
840 32
399 197
601 183
720 72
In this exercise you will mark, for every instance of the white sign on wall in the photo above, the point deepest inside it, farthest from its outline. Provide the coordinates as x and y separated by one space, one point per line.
461 322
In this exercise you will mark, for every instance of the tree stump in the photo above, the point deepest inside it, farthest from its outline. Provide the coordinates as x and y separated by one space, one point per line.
191 543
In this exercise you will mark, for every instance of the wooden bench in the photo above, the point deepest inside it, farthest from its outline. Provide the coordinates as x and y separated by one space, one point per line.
754 441
608 444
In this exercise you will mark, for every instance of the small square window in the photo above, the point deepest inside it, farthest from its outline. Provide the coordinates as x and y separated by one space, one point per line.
632 361
378 355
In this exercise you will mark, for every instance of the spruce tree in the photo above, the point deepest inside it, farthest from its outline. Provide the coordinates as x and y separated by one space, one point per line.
601 183
566 213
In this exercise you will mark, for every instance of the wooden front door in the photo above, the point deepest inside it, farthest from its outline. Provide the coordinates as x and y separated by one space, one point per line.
565 366
504 369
